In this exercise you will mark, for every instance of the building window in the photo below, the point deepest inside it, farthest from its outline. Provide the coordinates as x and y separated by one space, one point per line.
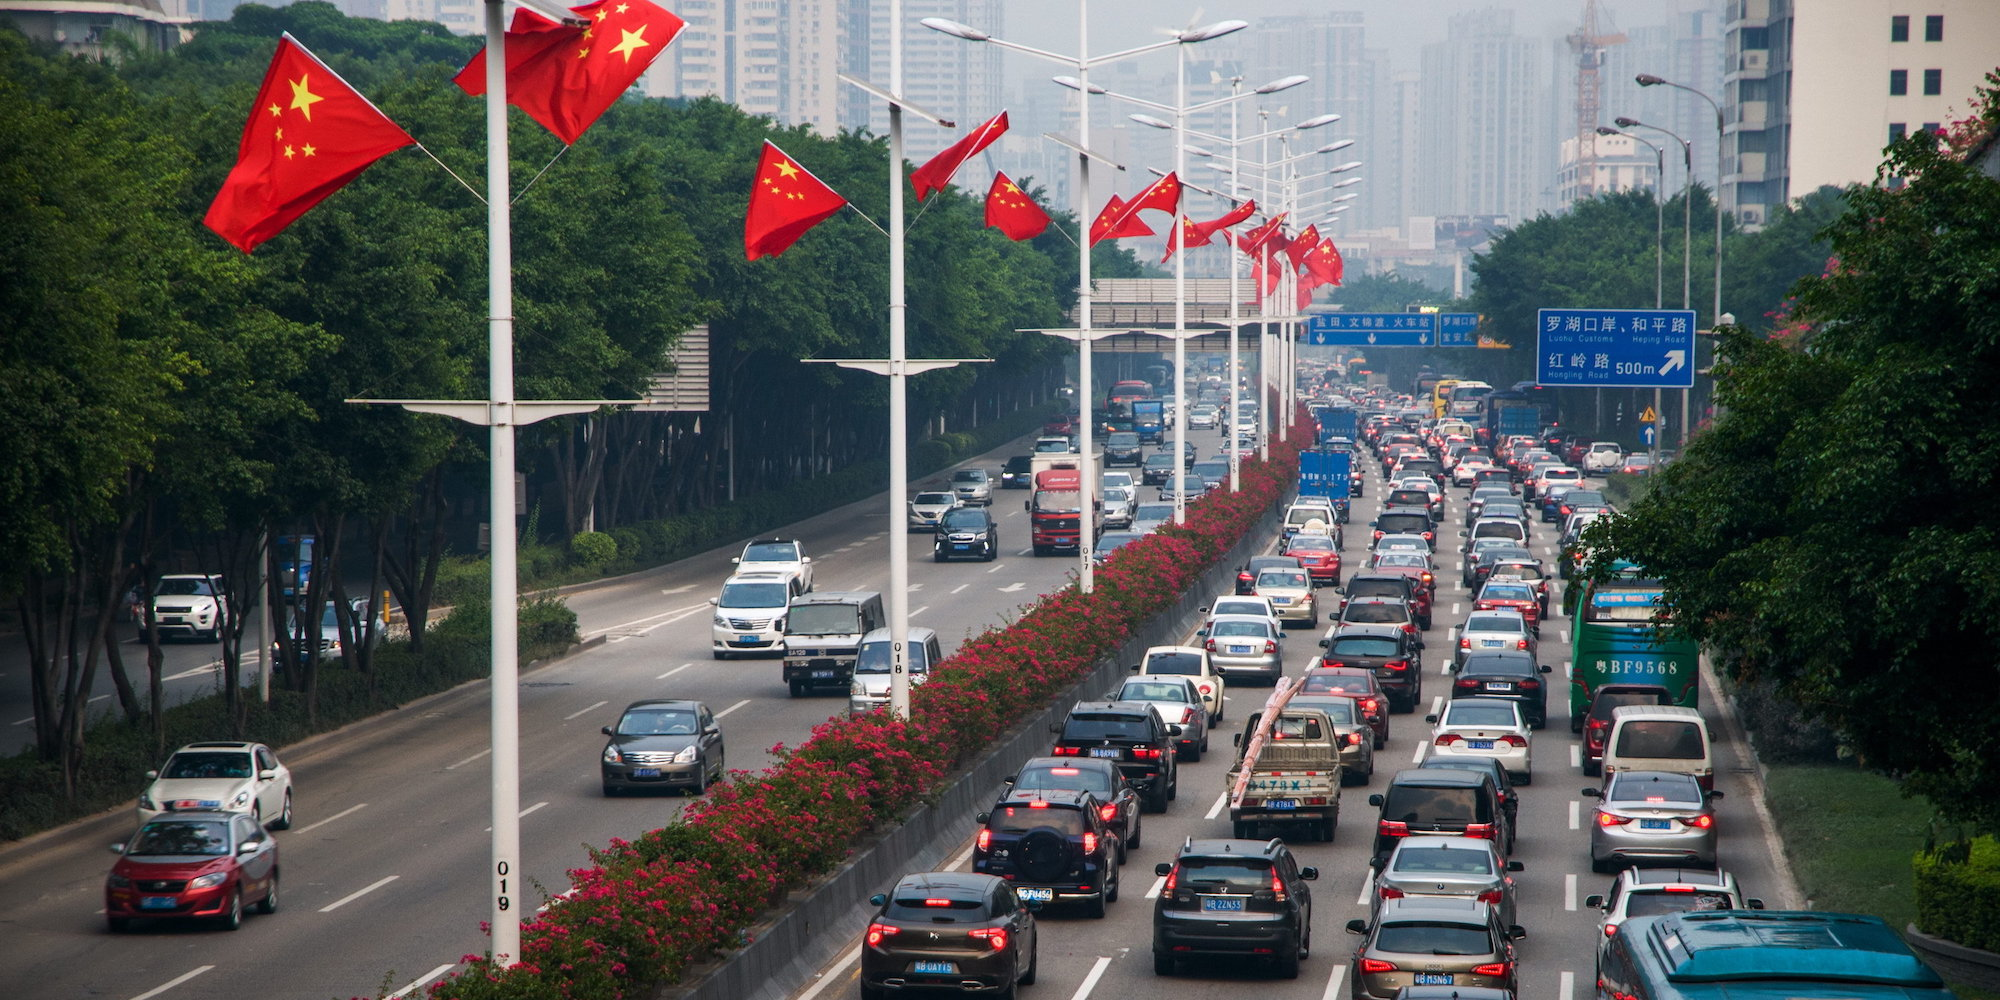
1934 28
1933 82
1899 82
1931 127
1757 38
1899 28
1896 130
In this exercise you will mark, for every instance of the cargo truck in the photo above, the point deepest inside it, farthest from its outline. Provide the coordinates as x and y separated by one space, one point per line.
1328 473
1055 512
1287 770
1149 418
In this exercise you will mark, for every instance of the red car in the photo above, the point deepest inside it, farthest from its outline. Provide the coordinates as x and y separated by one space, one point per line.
1319 555
1358 683
1511 595
193 866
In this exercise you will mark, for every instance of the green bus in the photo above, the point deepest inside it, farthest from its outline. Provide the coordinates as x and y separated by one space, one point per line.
1618 636
1776 954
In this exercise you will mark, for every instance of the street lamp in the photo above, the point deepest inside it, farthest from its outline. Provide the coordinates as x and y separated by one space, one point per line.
1687 252
1659 207
1715 317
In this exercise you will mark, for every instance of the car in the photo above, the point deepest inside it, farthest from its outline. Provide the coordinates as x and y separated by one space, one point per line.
1511 595
1291 593
1448 866
1510 800
1352 682
1212 471
220 776
1596 722
1319 554
1485 553
324 643
1416 567
1203 416
1433 941
1465 472
1528 571
1147 517
1405 521
1391 653
1246 578
1156 468
1245 644
1433 494
952 930
1380 611
1118 502
1018 473
1054 444
196 865
1109 542
1510 508
966 532
1483 494
1122 448
973 486
662 743
1190 662
778 555
1506 673
1355 736
1129 733
1486 727
1554 479
1652 816
1579 499
1484 631
1637 464
1458 802
1178 703
927 508
1402 543
1491 525
1187 485
1241 898
873 665
191 605
749 614
1051 845
1310 515
1119 803
1650 892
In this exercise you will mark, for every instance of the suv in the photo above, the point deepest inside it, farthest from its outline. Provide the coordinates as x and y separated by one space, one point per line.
949 929
1233 897
1130 733
1396 659
1050 845
189 604
1650 892
1018 473
1118 801
1434 800
1398 586
966 531
1122 448
1595 724
1419 940
777 555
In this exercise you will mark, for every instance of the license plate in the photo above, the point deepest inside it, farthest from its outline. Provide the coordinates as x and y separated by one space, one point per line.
1490 643
158 902
1654 824
1222 904
935 968
822 673
1433 979
1499 686
1480 744
1281 804
645 772
1239 649
746 639
1029 894
1104 752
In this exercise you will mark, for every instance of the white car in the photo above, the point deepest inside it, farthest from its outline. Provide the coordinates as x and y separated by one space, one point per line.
222 776
1190 662
927 507
189 604
1177 702
778 555
1240 604
750 614
1203 417
1492 631
1485 727
1604 457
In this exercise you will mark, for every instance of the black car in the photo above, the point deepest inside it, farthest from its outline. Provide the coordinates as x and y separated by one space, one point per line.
1396 659
1129 733
1051 845
1442 802
1576 500
1510 674
1510 803
966 532
1246 578
947 930
1236 898
1406 521
1395 586
649 743
1121 448
1479 562
1018 473
1120 801
1156 469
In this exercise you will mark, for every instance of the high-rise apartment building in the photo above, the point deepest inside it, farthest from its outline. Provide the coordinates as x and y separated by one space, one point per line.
778 58
1484 149
1330 47
1682 43
949 76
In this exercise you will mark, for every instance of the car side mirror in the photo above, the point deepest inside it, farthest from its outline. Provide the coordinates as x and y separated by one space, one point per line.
1056 728
1201 633
1326 643
150 775
1375 800
1516 866
1715 795
805 559
1545 668
981 818
1516 932
267 774
1309 873
1432 719
879 899
1027 505
1755 904
1164 869
1593 901
1591 793
1462 534
1174 730
736 559
606 730
117 849
249 846
1357 926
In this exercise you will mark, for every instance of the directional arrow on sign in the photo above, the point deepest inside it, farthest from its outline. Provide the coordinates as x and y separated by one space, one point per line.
1675 359
1371 338
1423 338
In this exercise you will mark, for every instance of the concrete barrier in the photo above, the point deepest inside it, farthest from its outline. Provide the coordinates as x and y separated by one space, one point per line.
782 953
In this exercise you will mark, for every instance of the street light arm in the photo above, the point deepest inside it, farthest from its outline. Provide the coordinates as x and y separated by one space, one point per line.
1095 61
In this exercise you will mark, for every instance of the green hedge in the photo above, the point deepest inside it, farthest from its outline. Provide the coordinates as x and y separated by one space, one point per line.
1958 892
117 755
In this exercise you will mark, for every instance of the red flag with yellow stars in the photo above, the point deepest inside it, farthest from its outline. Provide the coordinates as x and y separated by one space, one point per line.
308 135
786 201
1114 223
1254 240
936 172
1010 210
565 77
1302 245
1324 263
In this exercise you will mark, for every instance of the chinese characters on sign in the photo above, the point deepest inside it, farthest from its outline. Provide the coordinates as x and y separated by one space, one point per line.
1625 348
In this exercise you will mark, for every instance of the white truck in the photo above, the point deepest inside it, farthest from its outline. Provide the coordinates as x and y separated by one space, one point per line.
1287 769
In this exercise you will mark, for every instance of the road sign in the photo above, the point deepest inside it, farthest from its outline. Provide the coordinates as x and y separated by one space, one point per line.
1651 416
1648 433
1623 348
1458 330
1372 329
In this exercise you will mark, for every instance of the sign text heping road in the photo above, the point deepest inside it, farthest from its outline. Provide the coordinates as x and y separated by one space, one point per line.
1615 348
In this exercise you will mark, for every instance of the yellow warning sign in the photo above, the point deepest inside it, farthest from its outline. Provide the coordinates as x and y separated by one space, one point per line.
1649 417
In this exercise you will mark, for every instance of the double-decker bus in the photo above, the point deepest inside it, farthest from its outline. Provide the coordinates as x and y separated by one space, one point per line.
1622 635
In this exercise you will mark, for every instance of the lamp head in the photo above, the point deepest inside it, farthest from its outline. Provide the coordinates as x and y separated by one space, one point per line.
1216 30
955 29
1196 150
1648 80
1347 182
1316 121
1608 130
1349 196
1283 83
1345 167
1628 122
1336 146
1151 122
1074 84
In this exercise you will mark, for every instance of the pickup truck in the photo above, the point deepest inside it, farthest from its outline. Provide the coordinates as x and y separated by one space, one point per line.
1293 770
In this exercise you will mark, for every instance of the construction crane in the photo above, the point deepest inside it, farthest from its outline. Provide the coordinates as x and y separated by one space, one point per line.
1589 43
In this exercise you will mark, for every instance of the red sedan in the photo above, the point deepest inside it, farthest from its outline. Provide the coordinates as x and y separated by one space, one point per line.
193 866
1511 595
1319 555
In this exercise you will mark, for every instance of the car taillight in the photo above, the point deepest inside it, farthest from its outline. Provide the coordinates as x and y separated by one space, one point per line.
1446 739
1427 578
1410 627
1397 665
1520 644
1354 739
1205 688
1089 842
1528 685
1607 819
1702 822
1277 886
1378 536
1148 753
1370 706
1376 966
1270 645
1429 537
995 936
1209 645
1391 828
1493 969
1514 741
1389 892
1466 684
876 932
1107 813
1464 643
1187 716
1067 751
1490 896
985 840
1480 831
1610 930
1167 891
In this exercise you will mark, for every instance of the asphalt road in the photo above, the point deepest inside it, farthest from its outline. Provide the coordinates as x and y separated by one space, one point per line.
1083 958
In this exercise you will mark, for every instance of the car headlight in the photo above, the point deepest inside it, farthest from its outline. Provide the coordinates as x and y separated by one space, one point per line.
686 756
612 756
242 799
721 622
146 802
209 880
117 881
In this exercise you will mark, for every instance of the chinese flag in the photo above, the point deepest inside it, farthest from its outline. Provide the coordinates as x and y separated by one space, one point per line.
1264 281
565 77
1010 210
786 201
1114 223
1301 246
1191 234
936 172
308 135
1305 291
1254 240
1163 194
1324 264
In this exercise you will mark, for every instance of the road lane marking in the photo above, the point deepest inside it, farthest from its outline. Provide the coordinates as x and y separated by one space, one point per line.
1367 888
1012 587
997 567
530 809
1437 704
674 671
961 859
1220 801
682 589
919 611
1418 757
1159 883
1090 981
1333 982
583 711
1575 815
690 613
171 983
351 897
1454 607
828 978
1568 986
208 668
420 982
960 587
1575 756
468 760
1569 892
1569 670
25 721
732 708
310 827
1564 633
649 619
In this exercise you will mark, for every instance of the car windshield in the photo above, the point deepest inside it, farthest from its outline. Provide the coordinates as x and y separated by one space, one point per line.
1374 613
1159 459
1089 779
930 905
1173 663
657 722
923 499
1216 873
208 764
182 836
1152 691
1283 578
1496 623
1340 709
1664 738
185 588
969 476
1154 512
1432 938
753 595
1058 501
1362 645
1378 587
1418 804
1310 543
965 519
1506 592
1114 542
1323 682
1107 727
1490 665
771 552
1258 629
1403 523
1652 904
1443 861
1517 571
1414 498
1402 560
1021 819
1296 727
1019 464
1469 714
1122 439
874 658
823 619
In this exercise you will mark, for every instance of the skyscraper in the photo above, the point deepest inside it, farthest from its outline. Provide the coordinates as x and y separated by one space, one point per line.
941 74
1484 147
779 58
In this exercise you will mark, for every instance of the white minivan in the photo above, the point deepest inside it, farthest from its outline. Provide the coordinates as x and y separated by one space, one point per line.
1660 738
750 614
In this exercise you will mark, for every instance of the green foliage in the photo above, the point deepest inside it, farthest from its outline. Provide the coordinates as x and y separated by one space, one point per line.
592 548
1958 892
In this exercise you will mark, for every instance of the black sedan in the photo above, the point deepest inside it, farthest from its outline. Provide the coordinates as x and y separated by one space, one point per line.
1509 674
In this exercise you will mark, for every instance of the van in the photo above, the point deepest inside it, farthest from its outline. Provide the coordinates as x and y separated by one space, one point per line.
823 633
872 680
1496 527
1443 803
1669 738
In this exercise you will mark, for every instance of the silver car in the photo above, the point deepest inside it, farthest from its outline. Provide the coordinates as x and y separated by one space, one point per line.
1243 644
1148 516
1177 702
973 486
1118 506
1651 816
1448 866
928 506
1489 631
1291 594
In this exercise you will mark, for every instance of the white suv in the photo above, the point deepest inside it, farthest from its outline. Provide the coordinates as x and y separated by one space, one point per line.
1647 892
778 555
1604 457
189 604
750 614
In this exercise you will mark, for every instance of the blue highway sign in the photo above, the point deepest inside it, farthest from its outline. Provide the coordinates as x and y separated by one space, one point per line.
1615 348
1342 329
1458 329
1648 433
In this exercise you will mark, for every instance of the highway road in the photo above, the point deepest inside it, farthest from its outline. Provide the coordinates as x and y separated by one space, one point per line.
1110 959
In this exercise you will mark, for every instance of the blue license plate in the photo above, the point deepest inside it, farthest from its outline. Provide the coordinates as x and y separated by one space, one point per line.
1499 686
1222 904
1654 824
1031 894
158 902
746 639
822 673
1239 649
1104 752
1433 979
1480 744
1281 804
645 772
935 968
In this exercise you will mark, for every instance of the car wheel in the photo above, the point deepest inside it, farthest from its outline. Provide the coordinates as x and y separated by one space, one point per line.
1174 786
937 557
284 820
872 992
1381 742
1603 867
1288 966
1138 831
1242 829
1112 883
1576 722
1524 778
1306 935
232 918
797 688
1327 826
1424 623
700 779
1095 908
1204 743
1163 964
269 904
1592 768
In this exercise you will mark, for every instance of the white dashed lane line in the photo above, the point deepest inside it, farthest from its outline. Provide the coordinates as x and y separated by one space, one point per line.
171 983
